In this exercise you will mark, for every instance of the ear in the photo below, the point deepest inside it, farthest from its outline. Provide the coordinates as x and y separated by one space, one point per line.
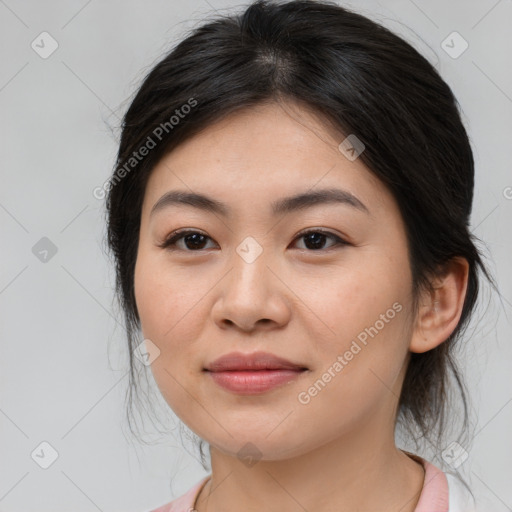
440 310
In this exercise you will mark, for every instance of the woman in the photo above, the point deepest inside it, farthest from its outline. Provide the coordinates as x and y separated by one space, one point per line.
289 219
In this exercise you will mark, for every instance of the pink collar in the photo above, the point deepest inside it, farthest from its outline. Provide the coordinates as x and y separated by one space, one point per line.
434 494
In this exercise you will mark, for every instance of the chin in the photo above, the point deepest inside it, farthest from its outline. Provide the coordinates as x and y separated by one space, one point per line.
251 447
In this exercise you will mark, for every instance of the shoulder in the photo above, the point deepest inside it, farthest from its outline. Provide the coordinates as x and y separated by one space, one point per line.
185 502
442 491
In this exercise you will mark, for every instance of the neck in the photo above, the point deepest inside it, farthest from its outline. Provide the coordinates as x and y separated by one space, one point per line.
354 472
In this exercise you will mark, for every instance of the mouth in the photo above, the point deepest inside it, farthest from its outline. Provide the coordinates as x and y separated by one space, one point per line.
256 373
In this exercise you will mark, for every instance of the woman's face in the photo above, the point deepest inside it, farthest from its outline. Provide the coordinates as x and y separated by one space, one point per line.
255 283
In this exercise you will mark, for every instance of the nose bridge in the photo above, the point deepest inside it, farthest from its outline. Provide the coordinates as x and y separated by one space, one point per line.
250 250
251 294
251 284
250 261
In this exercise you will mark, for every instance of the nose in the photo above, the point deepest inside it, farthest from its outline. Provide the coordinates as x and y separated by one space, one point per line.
252 295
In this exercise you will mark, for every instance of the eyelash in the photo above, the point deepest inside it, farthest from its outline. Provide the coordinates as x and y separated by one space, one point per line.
174 237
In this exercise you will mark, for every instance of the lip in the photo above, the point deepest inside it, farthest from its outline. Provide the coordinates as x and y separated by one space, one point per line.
254 361
254 373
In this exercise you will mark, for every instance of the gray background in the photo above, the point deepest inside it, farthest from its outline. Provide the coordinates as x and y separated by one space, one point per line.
63 365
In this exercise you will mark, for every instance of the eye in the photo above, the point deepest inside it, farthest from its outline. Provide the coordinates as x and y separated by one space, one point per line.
195 240
315 238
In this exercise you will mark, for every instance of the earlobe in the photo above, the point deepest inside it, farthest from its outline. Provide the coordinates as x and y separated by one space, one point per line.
440 309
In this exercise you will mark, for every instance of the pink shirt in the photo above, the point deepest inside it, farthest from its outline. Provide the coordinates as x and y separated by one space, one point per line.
434 495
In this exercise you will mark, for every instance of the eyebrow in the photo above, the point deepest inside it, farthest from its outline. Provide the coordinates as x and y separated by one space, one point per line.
282 206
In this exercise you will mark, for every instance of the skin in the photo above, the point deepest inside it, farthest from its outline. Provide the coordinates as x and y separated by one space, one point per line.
336 452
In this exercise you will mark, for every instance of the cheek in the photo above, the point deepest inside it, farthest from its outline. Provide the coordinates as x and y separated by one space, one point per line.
357 369
165 297
149 297
351 298
173 310
361 314
166 304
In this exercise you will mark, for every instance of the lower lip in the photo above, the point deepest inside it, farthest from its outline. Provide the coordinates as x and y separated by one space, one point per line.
254 382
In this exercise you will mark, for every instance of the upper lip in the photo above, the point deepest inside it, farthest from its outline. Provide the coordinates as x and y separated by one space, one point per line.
254 361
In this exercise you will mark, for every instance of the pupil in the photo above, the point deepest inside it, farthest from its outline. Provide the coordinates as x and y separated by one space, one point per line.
196 242
316 238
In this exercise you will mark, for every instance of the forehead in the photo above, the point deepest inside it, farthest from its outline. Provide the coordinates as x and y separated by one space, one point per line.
260 154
